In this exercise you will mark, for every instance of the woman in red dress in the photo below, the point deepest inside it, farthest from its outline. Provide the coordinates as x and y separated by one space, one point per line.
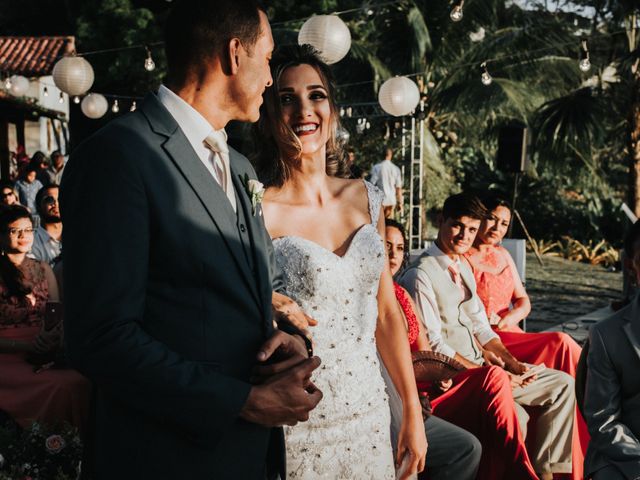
507 304
478 400
26 285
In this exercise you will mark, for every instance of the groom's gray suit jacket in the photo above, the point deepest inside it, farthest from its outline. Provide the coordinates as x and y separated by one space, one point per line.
167 298
612 396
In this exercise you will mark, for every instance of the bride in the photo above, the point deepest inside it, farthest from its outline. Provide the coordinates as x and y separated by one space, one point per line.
325 230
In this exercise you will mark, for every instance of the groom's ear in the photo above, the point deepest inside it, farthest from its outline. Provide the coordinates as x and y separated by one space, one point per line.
234 49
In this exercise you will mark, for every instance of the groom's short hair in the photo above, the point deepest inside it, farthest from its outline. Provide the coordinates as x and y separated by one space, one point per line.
464 205
198 30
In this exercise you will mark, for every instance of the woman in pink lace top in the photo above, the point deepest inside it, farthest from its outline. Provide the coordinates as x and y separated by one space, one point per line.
507 304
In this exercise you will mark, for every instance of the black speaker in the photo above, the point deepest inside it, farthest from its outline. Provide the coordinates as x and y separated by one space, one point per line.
513 141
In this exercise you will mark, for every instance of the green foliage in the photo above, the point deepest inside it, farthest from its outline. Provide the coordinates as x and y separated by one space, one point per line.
105 24
41 451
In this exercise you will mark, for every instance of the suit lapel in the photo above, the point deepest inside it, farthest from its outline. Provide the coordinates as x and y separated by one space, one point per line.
253 225
632 325
213 198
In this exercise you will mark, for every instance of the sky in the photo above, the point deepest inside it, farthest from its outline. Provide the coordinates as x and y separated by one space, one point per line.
553 5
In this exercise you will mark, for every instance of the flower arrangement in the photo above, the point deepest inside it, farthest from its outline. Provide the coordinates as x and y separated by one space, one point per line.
40 452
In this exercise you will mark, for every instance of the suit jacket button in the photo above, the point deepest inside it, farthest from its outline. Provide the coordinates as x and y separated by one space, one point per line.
242 227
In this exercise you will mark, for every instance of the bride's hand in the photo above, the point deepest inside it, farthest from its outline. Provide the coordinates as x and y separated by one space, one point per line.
412 441
287 311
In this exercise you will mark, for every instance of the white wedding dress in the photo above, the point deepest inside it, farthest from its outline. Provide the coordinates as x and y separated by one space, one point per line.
347 435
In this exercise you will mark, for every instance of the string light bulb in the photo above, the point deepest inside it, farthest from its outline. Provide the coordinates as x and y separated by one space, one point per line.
585 63
456 12
45 92
61 98
149 64
485 77
76 99
133 106
116 106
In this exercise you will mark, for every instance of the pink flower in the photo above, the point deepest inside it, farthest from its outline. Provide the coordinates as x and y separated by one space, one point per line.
55 443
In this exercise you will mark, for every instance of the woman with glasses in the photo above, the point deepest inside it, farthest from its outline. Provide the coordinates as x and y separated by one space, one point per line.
29 390
8 194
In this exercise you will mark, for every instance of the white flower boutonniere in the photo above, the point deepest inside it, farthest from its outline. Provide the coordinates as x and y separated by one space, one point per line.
255 190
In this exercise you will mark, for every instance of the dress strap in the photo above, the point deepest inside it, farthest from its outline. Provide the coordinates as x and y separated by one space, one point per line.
375 197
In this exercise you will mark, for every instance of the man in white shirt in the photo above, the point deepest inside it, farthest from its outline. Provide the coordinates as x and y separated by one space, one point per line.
442 284
388 178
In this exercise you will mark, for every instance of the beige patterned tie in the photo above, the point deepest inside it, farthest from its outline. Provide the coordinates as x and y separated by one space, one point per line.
454 270
216 141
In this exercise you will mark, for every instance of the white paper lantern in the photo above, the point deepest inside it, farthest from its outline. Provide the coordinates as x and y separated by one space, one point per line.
328 34
19 85
73 75
94 105
399 96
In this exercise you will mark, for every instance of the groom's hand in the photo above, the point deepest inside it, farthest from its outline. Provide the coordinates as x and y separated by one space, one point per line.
278 354
285 398
285 310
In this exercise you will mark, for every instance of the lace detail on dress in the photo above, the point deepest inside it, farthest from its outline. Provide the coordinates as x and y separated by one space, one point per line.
412 322
19 311
375 201
494 289
347 435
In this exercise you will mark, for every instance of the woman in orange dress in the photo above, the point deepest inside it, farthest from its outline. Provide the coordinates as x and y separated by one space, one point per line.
507 304
49 395
479 400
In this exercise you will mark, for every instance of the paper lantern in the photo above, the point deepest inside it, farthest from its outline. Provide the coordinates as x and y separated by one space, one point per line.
328 34
73 75
94 105
399 96
18 85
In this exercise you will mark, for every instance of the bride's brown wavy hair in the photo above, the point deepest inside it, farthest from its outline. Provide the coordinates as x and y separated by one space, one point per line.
277 147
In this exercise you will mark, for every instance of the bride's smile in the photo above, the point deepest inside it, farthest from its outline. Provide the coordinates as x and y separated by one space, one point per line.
305 107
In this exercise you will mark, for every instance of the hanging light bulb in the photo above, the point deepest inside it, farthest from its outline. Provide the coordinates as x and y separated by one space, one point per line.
485 77
456 13
133 106
7 83
61 98
76 99
45 92
115 108
584 64
149 64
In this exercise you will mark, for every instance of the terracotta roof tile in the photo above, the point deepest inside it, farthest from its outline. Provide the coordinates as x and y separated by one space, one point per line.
32 56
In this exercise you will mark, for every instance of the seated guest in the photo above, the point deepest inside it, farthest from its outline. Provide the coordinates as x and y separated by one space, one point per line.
8 194
47 243
56 169
498 285
477 400
28 187
26 285
612 395
443 287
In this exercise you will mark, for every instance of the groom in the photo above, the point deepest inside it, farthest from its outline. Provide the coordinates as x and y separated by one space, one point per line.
167 270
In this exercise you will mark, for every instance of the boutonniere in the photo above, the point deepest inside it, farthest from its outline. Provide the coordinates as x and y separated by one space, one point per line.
255 191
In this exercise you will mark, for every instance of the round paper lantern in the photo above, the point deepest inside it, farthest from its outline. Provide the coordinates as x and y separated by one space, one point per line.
73 75
94 105
328 34
399 96
19 85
